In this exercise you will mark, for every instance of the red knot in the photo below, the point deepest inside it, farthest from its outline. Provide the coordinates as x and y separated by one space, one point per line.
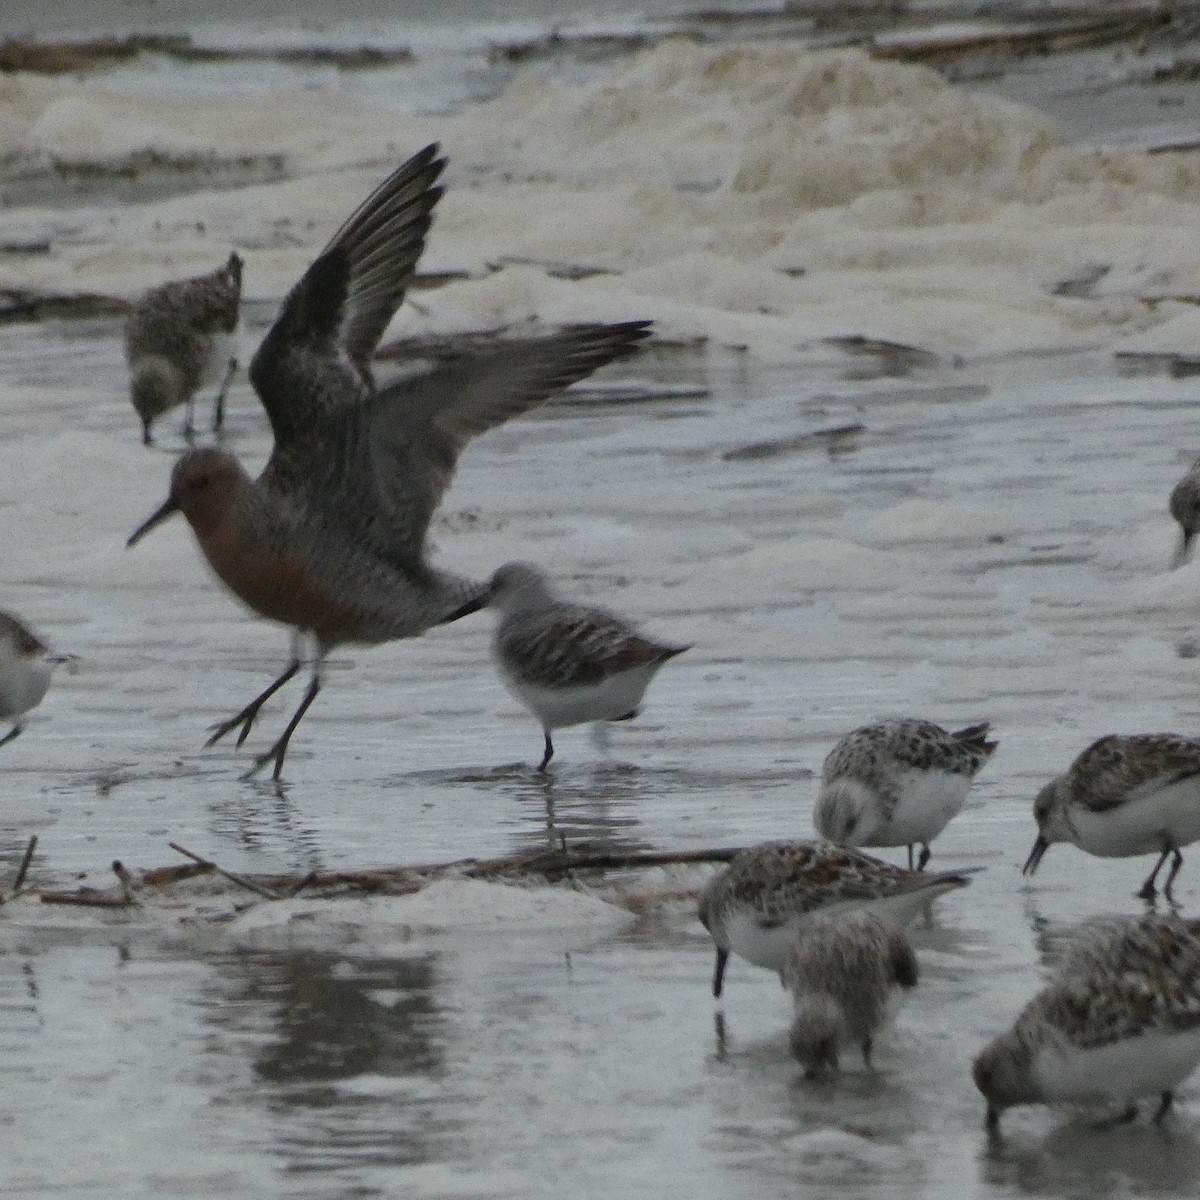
181 337
331 537
565 662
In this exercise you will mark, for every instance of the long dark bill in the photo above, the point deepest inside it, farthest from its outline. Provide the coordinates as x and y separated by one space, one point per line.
1035 855
160 514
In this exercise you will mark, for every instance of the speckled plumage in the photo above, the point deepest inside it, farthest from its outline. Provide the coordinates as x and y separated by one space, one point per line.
898 782
845 971
1147 944
568 663
331 537
1185 508
1119 1020
180 336
1125 795
754 907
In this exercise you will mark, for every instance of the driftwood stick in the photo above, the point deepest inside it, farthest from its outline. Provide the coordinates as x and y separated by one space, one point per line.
555 862
158 876
248 884
23 869
89 897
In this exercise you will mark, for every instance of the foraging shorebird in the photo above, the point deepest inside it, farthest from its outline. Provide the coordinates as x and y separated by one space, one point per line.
847 972
1125 795
1119 1020
898 783
755 907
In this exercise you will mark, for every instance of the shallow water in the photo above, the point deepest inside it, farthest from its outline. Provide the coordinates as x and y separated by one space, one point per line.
991 544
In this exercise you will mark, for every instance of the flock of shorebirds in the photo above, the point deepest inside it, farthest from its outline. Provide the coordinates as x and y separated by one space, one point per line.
330 540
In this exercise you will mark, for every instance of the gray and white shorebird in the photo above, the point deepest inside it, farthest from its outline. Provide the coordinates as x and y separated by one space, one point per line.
1125 795
757 905
26 665
568 663
1185 508
898 783
331 537
1120 1020
181 337
847 972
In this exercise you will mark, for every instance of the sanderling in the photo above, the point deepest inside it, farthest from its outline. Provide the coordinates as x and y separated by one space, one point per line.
1124 1026
846 972
898 783
180 337
565 662
1185 508
1123 796
755 906
331 537
26 665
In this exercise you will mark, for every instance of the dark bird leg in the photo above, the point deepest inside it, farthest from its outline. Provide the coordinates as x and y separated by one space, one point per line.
1175 865
12 734
910 857
719 971
549 752
278 750
146 439
867 1047
923 858
1164 1106
189 426
219 406
1148 891
248 714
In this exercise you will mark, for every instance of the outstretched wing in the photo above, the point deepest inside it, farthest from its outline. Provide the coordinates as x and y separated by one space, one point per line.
397 464
315 360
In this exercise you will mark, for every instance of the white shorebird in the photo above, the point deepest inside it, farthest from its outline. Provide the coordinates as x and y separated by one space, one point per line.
181 337
331 537
26 665
846 972
898 783
756 906
1185 508
568 663
1125 795
1120 1020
